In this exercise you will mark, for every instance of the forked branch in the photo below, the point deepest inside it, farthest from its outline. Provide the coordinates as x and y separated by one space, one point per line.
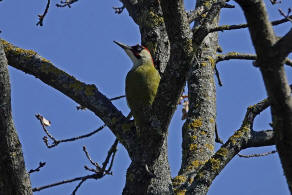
243 138
99 172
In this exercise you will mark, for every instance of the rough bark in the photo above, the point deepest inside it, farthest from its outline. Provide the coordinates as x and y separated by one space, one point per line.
270 59
243 138
149 172
13 176
199 129
165 30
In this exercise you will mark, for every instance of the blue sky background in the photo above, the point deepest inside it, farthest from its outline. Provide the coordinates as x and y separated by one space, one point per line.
79 41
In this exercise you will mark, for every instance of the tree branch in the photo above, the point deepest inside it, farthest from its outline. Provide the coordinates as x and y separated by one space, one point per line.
257 155
242 56
181 50
57 142
238 141
270 59
41 164
283 46
260 138
92 176
42 17
240 26
86 95
14 178
99 172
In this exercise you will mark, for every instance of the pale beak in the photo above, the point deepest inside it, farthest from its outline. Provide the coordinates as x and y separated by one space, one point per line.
125 47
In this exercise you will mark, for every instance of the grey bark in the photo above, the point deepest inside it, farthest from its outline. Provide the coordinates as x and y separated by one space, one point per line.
270 59
13 176
165 30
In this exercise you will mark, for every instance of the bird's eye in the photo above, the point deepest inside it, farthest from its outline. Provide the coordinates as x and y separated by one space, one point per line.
137 48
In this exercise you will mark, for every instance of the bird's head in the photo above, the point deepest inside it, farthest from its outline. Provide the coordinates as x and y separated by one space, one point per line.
139 54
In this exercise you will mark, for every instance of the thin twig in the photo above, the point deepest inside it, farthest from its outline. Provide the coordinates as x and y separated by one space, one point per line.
81 107
112 151
90 160
242 56
42 17
92 176
217 138
112 162
286 16
98 173
240 26
55 141
118 97
257 155
41 164
83 136
78 186
218 77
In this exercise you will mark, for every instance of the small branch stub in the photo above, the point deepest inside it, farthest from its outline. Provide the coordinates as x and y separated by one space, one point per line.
41 164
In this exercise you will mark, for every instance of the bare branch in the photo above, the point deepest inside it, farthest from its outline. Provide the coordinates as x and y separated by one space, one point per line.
42 17
55 141
270 58
286 16
41 164
98 172
86 95
235 56
111 154
217 138
260 138
118 97
242 56
92 176
240 26
218 77
90 160
283 46
181 49
78 186
220 159
80 107
257 155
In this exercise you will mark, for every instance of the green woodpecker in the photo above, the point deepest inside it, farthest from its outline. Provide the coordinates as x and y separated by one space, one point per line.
141 82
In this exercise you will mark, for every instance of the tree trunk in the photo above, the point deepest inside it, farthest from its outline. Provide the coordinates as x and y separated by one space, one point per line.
14 179
149 176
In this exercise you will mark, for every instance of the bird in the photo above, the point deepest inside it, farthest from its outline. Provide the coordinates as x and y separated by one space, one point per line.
142 81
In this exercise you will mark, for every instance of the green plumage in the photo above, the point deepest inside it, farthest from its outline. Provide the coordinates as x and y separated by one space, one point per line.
141 87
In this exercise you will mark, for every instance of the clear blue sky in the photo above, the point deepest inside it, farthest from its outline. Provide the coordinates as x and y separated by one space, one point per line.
79 41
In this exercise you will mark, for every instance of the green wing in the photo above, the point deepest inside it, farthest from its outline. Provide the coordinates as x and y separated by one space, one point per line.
141 87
